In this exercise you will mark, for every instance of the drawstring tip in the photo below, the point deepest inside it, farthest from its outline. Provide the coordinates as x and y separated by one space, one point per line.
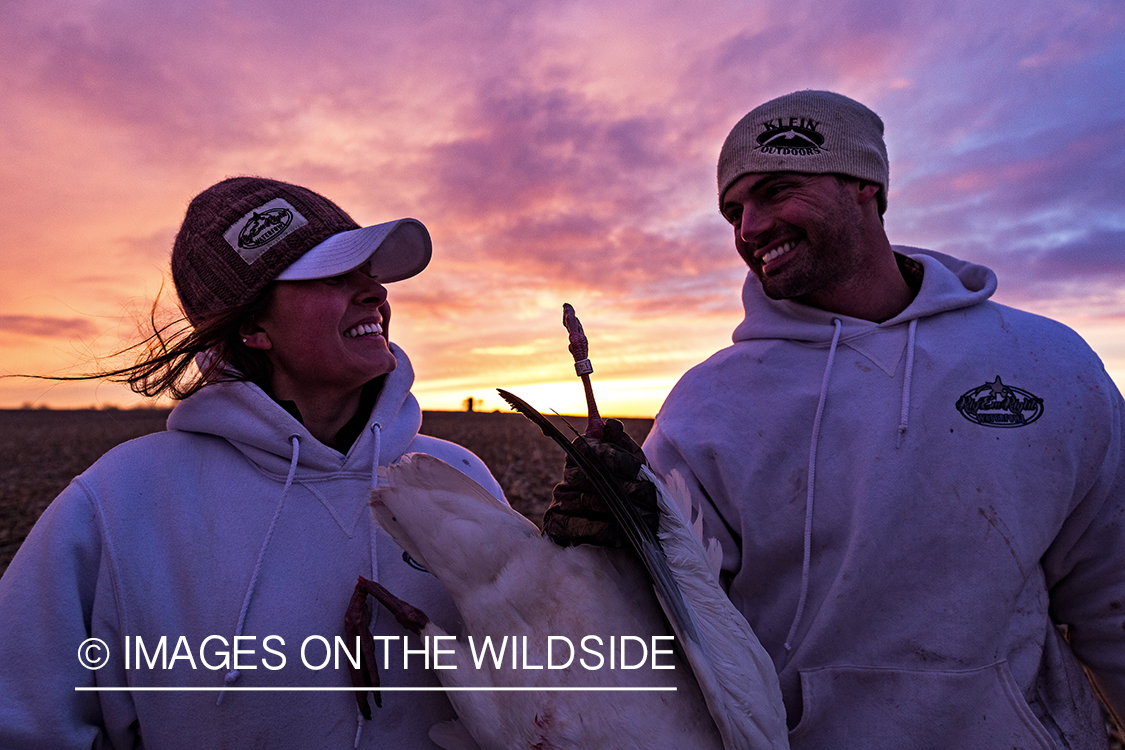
228 679
359 722
901 432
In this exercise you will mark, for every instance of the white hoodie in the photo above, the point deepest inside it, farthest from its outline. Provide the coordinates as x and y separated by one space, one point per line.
224 525
911 506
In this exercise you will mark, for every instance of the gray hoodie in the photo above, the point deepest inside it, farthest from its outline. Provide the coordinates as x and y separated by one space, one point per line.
233 523
908 508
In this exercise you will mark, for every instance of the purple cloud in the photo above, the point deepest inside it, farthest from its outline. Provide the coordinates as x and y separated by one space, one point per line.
43 326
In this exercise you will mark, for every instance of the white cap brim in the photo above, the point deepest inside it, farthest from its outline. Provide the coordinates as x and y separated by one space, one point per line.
396 250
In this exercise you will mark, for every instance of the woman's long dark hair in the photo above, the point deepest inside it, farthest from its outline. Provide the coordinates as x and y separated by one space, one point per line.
179 358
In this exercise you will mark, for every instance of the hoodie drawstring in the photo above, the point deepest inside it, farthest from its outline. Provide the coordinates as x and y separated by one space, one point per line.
234 674
377 432
907 378
809 500
359 722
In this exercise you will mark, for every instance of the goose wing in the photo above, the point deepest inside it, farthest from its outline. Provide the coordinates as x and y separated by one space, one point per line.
627 516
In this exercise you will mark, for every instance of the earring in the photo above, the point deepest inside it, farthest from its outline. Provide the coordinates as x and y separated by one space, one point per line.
244 339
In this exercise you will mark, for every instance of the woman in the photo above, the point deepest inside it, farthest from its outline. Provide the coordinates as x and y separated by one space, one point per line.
223 552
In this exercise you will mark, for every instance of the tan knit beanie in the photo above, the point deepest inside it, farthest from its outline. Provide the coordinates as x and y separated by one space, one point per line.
811 132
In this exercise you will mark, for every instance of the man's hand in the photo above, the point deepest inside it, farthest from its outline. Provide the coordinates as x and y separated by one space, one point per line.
577 514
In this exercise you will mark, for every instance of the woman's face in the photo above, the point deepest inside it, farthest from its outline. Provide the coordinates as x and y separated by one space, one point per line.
324 337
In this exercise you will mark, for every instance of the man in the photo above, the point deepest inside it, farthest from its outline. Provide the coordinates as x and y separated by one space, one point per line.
919 493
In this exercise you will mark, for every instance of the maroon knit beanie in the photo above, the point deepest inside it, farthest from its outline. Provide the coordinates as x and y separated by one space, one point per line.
239 234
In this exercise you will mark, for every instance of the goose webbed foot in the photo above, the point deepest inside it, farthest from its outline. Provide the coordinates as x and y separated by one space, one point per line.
357 622
409 617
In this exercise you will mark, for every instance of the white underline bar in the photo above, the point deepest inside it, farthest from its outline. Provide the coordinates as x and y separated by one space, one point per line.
379 689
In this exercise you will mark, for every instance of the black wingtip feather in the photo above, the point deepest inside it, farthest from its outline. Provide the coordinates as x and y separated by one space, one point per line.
639 534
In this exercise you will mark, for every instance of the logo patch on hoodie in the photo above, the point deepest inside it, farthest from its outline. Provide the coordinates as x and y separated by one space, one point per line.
997 405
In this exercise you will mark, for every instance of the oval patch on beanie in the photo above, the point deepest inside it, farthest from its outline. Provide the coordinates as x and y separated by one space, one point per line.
796 136
262 228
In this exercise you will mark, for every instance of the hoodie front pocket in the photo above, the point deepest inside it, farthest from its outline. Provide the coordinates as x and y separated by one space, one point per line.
875 707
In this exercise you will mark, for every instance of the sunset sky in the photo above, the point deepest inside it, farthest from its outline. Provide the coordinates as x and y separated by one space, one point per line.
558 151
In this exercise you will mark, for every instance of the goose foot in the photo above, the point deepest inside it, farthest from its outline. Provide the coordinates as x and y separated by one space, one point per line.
357 623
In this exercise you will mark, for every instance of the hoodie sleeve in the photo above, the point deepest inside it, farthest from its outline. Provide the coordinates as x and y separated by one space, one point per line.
1085 566
50 597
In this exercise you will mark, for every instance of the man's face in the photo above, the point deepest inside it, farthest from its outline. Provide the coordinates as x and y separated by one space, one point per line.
800 234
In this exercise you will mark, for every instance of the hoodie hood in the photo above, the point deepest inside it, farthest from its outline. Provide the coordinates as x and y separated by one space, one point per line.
947 284
249 420
245 416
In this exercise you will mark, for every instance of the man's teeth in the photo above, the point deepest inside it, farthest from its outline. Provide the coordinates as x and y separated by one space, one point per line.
364 329
777 252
